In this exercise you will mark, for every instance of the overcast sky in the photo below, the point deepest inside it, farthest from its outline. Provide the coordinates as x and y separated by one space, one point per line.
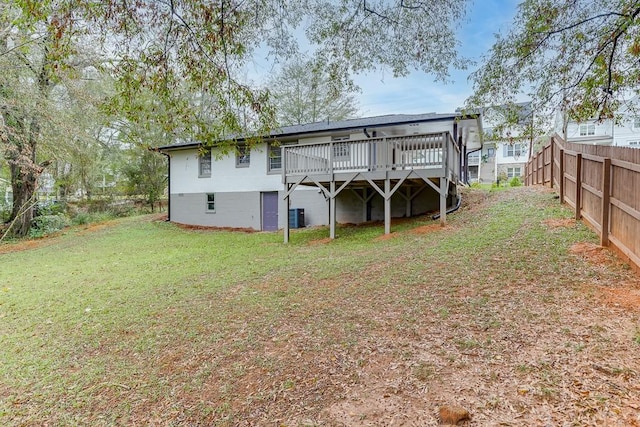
418 93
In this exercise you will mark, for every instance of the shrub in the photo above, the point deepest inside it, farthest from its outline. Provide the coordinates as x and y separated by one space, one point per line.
83 218
50 207
515 181
47 224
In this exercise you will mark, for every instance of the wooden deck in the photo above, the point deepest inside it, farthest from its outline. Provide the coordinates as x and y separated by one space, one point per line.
436 154
385 164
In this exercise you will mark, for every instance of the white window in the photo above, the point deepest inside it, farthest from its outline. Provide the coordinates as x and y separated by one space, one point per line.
636 122
204 165
634 143
513 172
587 129
243 156
211 202
275 158
514 150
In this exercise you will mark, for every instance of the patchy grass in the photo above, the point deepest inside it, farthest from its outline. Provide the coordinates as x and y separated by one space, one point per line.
142 322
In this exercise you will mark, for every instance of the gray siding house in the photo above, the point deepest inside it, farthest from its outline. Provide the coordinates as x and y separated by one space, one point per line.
349 171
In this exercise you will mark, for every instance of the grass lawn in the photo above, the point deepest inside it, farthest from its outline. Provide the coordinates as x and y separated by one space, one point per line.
511 311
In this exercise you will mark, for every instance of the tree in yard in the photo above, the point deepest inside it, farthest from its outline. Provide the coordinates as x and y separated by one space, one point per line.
31 54
176 63
192 55
146 175
579 57
303 93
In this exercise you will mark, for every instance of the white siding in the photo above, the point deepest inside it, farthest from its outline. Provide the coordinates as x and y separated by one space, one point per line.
225 176
602 130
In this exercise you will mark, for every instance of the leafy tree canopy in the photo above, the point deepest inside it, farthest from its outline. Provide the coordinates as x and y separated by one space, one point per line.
303 92
580 57
189 53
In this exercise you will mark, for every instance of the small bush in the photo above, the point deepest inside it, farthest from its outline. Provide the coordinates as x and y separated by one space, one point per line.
515 181
47 224
83 218
50 207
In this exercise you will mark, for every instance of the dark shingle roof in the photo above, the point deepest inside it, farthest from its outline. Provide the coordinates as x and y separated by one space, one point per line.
343 125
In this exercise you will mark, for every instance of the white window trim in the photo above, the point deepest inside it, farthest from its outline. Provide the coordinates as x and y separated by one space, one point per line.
515 171
511 150
270 149
243 156
209 202
587 129
206 157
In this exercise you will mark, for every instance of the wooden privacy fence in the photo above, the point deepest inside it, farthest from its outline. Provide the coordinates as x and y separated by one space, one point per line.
601 184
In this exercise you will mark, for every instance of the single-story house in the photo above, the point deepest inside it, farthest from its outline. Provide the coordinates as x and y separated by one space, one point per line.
347 171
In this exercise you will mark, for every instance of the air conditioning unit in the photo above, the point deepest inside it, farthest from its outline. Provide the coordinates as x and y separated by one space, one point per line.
296 218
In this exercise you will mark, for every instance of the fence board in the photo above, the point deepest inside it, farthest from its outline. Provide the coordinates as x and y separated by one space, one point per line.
600 183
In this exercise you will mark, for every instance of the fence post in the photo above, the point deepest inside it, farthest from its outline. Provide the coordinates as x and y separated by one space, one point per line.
543 164
552 163
540 155
561 177
606 200
578 185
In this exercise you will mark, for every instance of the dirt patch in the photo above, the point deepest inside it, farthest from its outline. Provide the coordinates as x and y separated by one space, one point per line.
23 246
559 222
385 237
425 229
91 228
593 253
625 296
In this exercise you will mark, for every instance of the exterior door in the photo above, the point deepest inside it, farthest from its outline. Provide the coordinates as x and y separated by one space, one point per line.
270 211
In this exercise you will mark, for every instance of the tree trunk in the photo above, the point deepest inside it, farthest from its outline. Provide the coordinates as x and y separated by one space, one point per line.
21 157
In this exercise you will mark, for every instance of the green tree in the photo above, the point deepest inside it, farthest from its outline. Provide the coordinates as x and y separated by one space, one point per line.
31 57
303 93
146 175
580 57
176 63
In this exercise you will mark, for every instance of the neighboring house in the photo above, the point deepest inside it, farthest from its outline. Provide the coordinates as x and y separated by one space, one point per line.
625 133
349 171
503 156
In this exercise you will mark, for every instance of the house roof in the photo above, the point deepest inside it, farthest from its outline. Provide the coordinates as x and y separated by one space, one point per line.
344 125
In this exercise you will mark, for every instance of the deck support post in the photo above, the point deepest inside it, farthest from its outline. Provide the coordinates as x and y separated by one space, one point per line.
332 210
387 206
444 189
286 206
408 204
365 203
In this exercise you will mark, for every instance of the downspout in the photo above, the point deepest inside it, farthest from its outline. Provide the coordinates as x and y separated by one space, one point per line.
451 209
466 160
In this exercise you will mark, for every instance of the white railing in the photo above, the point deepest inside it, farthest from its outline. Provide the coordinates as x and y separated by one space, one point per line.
374 154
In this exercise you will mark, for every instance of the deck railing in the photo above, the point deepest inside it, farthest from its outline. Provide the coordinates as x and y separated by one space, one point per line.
436 150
